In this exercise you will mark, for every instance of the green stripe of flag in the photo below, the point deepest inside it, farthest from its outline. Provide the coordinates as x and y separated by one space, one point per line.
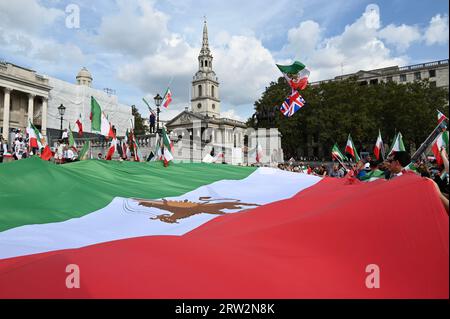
76 189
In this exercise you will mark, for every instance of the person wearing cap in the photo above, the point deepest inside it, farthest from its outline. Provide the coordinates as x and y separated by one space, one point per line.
373 173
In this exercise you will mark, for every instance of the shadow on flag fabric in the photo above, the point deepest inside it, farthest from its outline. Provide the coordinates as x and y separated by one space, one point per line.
292 104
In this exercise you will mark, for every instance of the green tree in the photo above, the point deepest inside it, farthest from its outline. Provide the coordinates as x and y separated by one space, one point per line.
139 127
337 108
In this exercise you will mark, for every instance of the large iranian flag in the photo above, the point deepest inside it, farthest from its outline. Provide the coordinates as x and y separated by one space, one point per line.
193 230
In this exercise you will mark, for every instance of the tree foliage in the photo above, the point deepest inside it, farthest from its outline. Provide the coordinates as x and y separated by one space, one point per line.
139 127
335 109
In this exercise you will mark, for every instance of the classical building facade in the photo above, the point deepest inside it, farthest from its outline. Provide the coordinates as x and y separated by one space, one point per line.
27 96
435 72
77 100
24 96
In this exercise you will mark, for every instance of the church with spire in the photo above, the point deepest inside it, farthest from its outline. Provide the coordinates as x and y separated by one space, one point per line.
203 119
205 84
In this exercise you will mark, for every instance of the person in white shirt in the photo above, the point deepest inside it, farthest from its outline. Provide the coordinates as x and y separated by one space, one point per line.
65 136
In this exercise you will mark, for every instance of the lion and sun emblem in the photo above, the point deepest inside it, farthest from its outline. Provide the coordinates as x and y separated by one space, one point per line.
180 209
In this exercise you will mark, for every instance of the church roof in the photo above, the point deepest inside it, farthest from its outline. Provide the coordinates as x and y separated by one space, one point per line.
207 119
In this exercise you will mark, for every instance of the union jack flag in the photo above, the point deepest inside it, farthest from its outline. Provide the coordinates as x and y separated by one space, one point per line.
292 104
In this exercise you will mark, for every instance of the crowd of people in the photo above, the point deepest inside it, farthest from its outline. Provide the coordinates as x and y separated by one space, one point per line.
19 148
370 169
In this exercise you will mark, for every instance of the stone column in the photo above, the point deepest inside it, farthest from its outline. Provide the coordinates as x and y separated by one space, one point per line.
30 107
44 117
6 107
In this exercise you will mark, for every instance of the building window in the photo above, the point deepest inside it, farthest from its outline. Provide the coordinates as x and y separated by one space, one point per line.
433 84
389 79
363 83
374 81
199 106
417 76
432 73
213 106
201 63
199 90
402 77
212 90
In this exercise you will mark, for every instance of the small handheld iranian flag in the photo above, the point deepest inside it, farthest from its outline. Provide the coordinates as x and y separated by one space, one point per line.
167 98
32 136
351 149
378 147
441 141
72 143
295 74
441 117
336 153
259 153
167 147
80 126
96 116
398 145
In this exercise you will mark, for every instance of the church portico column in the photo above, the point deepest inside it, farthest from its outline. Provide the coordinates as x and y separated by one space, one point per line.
6 109
30 107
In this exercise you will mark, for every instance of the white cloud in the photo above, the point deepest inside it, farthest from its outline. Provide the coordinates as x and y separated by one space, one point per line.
400 36
304 39
244 67
231 114
27 15
437 31
137 30
359 47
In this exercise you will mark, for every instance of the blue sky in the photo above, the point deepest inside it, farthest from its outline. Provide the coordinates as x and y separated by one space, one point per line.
136 46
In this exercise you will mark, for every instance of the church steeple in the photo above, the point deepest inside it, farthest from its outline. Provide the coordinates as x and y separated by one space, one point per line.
205 85
205 57
205 46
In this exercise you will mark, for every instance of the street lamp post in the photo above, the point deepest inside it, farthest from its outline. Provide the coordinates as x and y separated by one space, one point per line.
158 100
61 110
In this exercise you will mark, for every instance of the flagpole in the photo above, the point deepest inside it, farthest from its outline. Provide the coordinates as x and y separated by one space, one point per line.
424 146
343 165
